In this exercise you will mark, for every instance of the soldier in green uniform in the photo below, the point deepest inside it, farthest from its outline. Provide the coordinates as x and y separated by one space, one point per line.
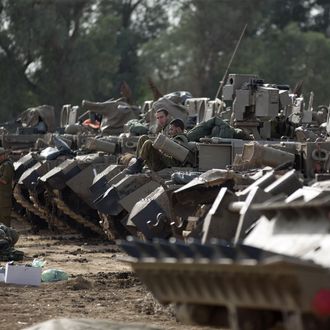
163 120
216 127
6 178
155 159
8 238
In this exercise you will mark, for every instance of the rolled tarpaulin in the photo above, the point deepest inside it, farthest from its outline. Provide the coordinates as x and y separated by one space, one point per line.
257 154
100 145
171 148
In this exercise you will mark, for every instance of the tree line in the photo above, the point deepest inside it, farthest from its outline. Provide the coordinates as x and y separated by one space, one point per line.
62 51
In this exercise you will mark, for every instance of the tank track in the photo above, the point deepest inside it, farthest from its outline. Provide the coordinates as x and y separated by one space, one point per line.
54 222
24 202
238 287
112 227
85 222
41 212
18 217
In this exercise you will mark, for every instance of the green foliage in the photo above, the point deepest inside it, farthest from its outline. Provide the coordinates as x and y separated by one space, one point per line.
279 45
62 51
288 55
140 22
40 40
198 49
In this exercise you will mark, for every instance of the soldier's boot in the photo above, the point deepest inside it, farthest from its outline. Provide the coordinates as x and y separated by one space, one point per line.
14 236
4 245
135 167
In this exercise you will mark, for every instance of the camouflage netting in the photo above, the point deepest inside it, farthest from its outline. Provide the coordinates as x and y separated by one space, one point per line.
115 114
31 117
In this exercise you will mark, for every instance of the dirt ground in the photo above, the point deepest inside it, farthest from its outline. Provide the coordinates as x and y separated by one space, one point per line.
100 286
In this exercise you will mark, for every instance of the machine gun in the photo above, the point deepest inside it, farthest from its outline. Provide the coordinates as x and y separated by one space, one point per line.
254 103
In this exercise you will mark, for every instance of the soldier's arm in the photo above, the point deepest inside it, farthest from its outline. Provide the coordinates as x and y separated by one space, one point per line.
7 175
180 139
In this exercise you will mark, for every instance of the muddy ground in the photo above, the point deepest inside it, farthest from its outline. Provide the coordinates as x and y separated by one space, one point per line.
100 286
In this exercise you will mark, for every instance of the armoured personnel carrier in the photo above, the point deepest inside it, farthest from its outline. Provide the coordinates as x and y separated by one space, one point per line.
37 200
32 125
259 111
257 261
242 255
56 191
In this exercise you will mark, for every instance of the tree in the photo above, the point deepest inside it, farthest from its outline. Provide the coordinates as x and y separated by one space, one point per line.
289 55
40 41
200 45
140 21
279 45
59 52
321 18
307 14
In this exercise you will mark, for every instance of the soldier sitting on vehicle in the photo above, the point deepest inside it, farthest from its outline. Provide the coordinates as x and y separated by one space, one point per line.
163 120
216 127
155 159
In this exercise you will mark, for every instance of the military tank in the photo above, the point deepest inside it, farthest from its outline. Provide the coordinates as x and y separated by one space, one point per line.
115 199
26 193
122 202
56 191
32 125
231 244
38 195
258 261
241 254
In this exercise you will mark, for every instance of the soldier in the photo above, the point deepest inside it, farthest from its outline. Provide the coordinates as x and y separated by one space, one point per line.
216 127
153 158
163 119
8 238
6 178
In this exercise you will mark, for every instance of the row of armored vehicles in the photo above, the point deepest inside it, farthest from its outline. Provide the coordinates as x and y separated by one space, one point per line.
225 236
